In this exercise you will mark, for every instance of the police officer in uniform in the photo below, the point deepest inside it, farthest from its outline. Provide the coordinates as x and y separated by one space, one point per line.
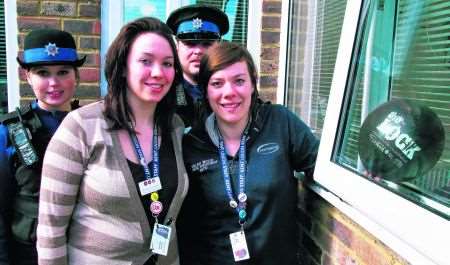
196 27
50 62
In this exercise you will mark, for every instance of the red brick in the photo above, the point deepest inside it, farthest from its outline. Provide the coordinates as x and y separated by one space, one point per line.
87 91
268 81
89 43
88 10
97 27
272 7
271 22
82 26
22 74
270 37
340 231
89 75
92 59
58 9
268 95
270 53
29 23
340 254
269 67
27 8
367 252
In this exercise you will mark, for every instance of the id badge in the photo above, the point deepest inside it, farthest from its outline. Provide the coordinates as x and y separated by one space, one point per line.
149 185
239 246
160 239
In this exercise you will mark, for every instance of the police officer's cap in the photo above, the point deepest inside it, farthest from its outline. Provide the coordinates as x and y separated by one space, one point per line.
49 47
198 22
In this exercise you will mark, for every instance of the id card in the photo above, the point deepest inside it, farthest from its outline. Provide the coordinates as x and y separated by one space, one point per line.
160 239
149 185
239 246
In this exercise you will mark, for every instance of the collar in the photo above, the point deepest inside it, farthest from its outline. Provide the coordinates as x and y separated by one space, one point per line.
56 114
193 91
213 130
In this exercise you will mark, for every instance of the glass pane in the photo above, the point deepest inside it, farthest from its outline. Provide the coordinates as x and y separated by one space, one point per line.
140 8
312 56
237 11
395 128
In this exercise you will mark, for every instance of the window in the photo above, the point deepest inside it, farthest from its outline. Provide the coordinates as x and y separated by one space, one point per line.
391 51
236 10
313 42
3 82
12 49
116 13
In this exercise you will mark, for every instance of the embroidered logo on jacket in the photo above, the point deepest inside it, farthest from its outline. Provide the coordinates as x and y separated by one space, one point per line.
268 148
202 166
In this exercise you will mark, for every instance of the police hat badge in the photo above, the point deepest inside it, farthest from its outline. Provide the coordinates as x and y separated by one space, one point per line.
401 140
198 22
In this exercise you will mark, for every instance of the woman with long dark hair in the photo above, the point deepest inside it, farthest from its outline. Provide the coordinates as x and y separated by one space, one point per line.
113 178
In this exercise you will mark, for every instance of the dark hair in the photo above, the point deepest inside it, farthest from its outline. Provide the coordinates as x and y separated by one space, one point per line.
116 104
218 57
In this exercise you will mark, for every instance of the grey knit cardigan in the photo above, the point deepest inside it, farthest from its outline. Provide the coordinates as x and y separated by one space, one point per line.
89 209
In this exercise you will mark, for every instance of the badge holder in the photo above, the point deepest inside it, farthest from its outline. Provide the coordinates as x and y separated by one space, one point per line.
239 246
160 239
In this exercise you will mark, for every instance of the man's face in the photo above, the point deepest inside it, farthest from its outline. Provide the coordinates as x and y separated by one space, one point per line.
190 53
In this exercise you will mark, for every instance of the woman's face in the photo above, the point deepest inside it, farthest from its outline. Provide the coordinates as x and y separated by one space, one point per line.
53 85
150 69
229 94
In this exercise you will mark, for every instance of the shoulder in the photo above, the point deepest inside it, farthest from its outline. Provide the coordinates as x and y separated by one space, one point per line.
276 109
87 118
92 110
3 136
280 111
13 116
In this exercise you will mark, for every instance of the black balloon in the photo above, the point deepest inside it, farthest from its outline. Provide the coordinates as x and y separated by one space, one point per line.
401 140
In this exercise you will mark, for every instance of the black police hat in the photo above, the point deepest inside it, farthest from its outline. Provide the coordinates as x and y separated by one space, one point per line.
198 22
49 47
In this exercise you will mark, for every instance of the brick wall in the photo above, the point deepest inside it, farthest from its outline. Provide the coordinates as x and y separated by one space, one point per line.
270 49
329 237
79 17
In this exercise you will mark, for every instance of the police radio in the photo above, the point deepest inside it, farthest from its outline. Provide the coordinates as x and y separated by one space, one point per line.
21 138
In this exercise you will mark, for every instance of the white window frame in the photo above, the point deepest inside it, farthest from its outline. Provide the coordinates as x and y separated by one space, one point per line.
416 234
112 17
12 49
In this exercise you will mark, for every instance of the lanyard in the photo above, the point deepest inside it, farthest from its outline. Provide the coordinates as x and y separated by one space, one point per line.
156 205
240 206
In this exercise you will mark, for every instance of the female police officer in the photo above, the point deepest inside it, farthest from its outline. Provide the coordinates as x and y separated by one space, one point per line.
51 62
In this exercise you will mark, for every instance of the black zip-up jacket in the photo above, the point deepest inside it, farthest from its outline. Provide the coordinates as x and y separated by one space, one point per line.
279 143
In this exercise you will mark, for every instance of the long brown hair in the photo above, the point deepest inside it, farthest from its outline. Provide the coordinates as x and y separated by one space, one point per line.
116 104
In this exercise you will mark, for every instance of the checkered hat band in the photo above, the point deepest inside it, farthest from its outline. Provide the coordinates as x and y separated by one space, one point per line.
37 55
188 27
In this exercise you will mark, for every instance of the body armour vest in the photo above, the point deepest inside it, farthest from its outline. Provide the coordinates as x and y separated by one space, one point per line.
28 177
24 219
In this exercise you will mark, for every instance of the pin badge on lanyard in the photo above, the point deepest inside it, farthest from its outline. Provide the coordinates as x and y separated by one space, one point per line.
151 185
237 239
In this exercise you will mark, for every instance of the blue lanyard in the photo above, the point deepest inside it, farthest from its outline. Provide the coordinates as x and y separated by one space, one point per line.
140 154
241 204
